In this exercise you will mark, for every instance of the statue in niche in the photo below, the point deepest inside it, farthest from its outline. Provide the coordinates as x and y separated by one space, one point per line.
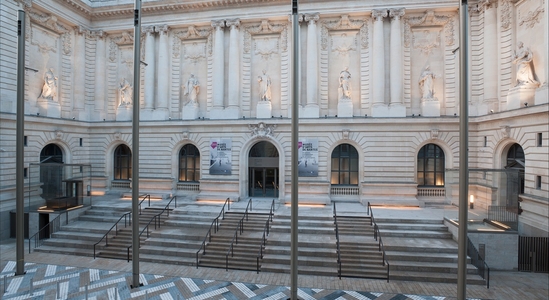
191 90
344 89
126 93
523 58
49 89
426 83
264 86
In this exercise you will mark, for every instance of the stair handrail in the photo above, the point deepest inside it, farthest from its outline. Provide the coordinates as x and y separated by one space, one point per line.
145 196
53 226
157 220
478 262
106 235
216 228
337 243
377 234
265 234
239 227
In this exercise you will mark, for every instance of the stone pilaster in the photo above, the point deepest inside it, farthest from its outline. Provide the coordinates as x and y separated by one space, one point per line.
490 70
233 109
312 109
161 109
397 109
218 71
378 66
79 67
100 76
150 59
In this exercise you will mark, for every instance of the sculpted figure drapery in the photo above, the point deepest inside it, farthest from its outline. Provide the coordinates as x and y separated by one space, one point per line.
49 89
125 92
264 86
523 58
426 83
192 88
344 89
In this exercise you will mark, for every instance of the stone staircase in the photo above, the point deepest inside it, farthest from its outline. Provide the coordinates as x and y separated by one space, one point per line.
246 248
422 250
317 253
360 255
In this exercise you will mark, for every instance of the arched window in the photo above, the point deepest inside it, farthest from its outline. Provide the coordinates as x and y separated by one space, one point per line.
344 165
263 149
430 166
122 163
516 160
189 163
51 154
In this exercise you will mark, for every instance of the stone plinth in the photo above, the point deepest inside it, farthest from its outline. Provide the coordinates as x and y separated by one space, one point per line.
430 107
124 113
217 113
190 112
310 111
49 108
542 95
389 111
232 112
519 95
345 108
263 110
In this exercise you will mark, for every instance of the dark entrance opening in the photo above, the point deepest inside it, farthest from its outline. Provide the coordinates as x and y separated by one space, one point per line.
263 170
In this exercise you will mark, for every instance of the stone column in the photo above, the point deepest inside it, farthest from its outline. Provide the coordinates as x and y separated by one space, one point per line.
490 101
379 109
542 93
218 71
163 83
150 58
233 110
100 76
79 67
397 109
312 110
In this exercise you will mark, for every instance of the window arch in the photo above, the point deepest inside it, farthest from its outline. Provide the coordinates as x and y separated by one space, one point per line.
344 165
516 160
189 163
51 154
263 149
430 166
122 163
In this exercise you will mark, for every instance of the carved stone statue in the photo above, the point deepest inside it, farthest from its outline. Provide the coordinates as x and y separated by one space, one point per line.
264 87
426 83
523 58
49 89
344 89
192 88
126 93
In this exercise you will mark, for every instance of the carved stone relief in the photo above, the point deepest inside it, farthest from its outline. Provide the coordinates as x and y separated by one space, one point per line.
506 14
344 23
532 17
262 130
426 39
265 28
190 34
50 22
429 19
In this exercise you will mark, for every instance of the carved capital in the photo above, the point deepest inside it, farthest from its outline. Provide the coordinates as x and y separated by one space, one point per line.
312 18
218 24
484 5
149 30
379 14
163 29
396 13
233 23
98 34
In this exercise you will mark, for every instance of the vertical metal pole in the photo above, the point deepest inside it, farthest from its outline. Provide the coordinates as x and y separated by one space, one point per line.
294 143
19 148
135 141
463 150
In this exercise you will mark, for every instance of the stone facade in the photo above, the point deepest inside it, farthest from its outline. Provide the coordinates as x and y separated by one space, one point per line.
388 114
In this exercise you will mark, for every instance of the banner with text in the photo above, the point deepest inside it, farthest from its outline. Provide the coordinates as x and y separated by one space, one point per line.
220 156
307 154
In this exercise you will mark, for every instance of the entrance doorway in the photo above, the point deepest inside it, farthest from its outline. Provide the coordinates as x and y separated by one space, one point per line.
263 170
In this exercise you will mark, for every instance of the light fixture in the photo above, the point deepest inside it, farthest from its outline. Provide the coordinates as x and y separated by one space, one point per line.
366 115
325 116
336 116
491 111
413 115
37 114
169 118
471 201
73 118
455 115
525 104
419 115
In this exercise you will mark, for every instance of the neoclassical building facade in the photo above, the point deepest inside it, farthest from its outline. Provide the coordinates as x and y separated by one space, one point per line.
379 98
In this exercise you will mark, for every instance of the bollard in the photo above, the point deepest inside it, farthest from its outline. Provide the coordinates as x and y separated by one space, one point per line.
116 293
86 292
5 284
58 292
146 295
31 288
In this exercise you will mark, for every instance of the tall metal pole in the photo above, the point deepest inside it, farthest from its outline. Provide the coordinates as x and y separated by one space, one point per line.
463 150
19 148
135 142
295 141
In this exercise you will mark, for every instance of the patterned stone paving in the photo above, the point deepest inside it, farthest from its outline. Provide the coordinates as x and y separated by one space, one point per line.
62 282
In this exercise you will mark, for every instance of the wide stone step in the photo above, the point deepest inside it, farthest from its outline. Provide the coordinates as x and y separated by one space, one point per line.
416 234
329 261
433 277
422 257
302 251
382 221
305 230
302 269
65 250
67 243
413 227
415 266
169 251
419 249
236 262
77 236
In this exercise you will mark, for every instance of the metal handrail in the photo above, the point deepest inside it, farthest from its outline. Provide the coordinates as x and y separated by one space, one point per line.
216 228
337 242
377 234
106 235
239 227
145 196
53 225
478 262
157 220
265 234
